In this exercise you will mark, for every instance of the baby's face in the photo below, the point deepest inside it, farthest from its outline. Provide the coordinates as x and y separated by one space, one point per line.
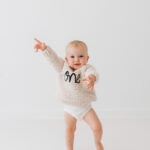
76 57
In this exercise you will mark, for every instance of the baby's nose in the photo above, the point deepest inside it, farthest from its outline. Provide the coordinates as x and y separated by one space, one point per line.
76 59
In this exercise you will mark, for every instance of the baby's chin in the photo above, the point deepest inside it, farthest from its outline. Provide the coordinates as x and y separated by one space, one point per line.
75 67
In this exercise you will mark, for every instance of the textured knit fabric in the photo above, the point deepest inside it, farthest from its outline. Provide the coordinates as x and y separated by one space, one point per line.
71 89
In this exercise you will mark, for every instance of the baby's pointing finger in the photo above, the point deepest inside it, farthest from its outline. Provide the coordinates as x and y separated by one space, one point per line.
85 79
37 40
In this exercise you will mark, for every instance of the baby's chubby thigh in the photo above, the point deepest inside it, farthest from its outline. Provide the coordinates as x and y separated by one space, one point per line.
70 122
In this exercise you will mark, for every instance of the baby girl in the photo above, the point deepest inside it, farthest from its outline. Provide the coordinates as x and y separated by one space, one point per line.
76 91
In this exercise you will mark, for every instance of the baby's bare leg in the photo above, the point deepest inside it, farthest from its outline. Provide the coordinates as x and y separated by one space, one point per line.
70 123
92 120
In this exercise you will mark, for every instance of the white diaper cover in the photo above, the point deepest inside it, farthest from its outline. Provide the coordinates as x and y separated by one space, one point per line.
77 111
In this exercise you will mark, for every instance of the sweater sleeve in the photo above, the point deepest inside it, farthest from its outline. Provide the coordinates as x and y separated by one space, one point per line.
92 70
56 61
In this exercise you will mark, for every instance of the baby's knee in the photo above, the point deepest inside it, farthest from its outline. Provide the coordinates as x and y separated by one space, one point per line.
97 129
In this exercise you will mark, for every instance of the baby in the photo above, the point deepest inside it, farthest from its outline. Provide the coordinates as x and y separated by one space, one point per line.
76 88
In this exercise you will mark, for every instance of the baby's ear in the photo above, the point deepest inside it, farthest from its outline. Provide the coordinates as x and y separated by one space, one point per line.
88 58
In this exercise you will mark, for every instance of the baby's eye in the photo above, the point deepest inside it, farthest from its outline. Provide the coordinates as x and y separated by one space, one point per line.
81 56
72 56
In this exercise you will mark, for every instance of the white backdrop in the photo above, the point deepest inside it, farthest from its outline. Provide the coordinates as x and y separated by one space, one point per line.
117 34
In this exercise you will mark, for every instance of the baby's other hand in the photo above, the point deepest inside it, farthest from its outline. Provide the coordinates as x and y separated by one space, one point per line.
91 80
39 45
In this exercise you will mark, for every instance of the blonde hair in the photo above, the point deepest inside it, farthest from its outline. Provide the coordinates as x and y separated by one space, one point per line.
77 43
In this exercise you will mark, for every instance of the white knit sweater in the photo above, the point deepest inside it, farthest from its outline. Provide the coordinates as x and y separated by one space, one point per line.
71 90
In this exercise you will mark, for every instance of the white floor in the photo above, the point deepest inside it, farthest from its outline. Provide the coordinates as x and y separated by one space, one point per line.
118 134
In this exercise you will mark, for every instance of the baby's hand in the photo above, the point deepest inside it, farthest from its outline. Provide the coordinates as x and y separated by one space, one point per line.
91 80
39 45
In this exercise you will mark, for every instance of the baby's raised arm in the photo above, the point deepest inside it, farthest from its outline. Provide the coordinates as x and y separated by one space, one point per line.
56 61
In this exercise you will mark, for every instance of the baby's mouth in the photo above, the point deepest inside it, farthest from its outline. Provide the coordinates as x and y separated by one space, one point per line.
77 64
